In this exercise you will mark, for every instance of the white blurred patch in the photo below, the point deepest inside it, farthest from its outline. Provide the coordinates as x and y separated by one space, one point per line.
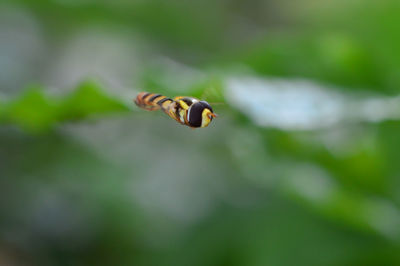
107 53
22 48
311 183
384 217
166 71
304 105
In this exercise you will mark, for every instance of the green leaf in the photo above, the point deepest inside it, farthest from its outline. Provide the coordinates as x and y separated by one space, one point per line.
34 111
89 99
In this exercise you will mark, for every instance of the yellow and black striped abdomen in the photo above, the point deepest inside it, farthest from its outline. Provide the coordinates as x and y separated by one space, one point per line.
152 101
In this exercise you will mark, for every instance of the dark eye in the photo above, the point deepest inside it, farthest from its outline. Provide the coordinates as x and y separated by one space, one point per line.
206 105
194 115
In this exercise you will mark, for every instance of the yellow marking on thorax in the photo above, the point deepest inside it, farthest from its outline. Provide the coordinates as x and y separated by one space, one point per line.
182 114
184 105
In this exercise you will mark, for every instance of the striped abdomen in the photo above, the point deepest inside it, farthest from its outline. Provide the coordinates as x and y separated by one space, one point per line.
152 101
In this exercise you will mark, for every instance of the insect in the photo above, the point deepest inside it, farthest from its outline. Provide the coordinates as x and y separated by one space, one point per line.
187 111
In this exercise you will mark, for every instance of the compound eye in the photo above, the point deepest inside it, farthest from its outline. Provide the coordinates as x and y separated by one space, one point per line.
195 114
206 105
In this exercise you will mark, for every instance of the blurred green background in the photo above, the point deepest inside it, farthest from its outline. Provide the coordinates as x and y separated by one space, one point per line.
300 168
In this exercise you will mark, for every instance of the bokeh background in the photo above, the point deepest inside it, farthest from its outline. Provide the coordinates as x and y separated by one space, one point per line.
300 168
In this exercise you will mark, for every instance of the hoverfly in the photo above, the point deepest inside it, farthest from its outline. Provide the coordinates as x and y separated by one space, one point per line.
187 111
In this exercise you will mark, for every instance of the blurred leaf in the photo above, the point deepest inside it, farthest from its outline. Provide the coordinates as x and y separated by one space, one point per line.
34 111
86 100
